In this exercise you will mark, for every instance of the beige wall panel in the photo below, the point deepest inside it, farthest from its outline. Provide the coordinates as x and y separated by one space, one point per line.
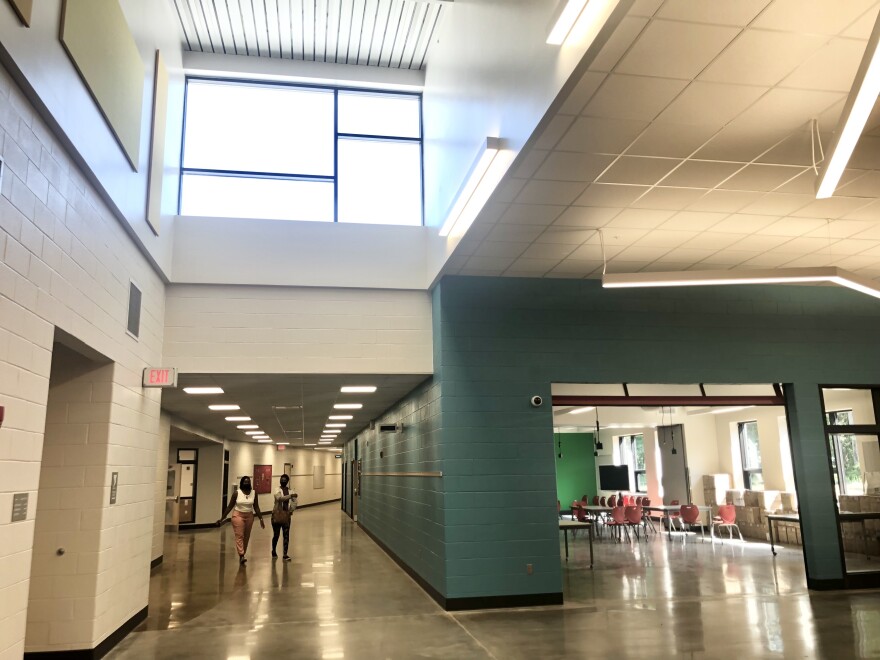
24 9
157 145
100 45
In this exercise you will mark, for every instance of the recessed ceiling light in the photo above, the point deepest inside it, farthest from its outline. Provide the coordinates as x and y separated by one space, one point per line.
238 419
247 426
335 426
328 431
224 406
203 390
358 389
348 406
341 417
309 444
264 440
282 444
260 437
254 433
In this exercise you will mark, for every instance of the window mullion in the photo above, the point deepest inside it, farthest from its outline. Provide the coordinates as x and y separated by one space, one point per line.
336 155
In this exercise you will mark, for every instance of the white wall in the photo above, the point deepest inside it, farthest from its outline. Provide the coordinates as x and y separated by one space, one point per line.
244 455
238 329
209 478
65 261
772 439
37 52
160 487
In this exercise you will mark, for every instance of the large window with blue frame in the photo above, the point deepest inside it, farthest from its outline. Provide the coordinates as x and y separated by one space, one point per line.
296 152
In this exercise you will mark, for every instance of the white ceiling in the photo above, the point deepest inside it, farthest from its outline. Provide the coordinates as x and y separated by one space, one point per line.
386 33
688 142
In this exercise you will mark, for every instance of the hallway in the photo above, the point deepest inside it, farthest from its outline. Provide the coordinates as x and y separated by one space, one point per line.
342 597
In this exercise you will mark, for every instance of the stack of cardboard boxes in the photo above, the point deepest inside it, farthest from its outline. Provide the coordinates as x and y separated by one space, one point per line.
752 507
715 487
854 540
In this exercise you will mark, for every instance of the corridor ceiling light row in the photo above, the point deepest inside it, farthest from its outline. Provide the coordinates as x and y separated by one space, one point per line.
335 426
224 406
348 406
247 426
238 419
341 417
358 389
253 433
203 390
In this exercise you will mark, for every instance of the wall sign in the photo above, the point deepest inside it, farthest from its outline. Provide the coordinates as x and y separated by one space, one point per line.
114 487
160 377
19 507
262 479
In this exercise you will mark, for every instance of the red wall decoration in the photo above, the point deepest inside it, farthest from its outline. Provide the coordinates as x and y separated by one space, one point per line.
262 479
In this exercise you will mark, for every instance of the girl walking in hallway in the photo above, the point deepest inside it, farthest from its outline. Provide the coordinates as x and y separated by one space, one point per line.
285 503
246 505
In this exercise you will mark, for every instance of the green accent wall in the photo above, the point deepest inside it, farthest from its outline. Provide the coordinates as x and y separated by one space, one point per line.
576 470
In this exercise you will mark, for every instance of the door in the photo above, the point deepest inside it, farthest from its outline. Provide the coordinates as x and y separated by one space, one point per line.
225 479
673 461
188 459
354 489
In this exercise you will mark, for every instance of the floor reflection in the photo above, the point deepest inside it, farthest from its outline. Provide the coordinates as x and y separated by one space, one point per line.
341 597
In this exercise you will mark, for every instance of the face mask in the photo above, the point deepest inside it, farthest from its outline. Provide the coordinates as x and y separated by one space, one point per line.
284 483
246 487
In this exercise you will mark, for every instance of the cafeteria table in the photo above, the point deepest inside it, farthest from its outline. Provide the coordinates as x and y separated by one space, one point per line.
566 525
842 516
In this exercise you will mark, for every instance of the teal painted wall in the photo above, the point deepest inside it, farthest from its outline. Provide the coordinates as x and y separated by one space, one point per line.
576 470
503 340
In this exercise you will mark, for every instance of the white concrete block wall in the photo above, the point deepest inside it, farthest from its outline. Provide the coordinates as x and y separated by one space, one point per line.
65 261
254 329
158 545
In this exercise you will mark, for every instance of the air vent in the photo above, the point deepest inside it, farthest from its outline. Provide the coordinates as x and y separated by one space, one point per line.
134 311
390 428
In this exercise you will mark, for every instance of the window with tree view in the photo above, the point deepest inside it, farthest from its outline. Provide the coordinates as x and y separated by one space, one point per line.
843 448
292 152
632 449
750 451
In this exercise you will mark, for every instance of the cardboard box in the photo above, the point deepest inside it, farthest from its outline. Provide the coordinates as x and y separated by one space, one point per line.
735 497
789 502
716 481
752 498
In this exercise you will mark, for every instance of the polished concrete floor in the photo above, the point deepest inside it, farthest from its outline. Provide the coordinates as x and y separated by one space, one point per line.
342 597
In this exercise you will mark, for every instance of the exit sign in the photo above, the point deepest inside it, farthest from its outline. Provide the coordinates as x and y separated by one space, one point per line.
160 377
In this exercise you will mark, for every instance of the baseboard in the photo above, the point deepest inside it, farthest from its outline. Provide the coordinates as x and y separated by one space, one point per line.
422 582
100 650
158 560
188 527
500 602
826 584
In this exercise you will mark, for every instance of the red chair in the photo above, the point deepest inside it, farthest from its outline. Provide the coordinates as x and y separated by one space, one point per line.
690 516
595 500
639 499
726 518
612 501
617 520
602 501
648 516
633 515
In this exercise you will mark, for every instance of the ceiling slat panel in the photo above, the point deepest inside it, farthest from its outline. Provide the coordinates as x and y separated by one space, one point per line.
385 33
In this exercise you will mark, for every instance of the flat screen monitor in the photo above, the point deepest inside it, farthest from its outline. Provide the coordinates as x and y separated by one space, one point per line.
613 477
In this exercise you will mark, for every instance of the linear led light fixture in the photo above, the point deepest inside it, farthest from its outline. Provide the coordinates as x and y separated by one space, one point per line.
859 104
340 417
578 411
821 275
358 389
264 441
253 432
348 406
203 390
224 406
338 425
247 426
238 419
475 191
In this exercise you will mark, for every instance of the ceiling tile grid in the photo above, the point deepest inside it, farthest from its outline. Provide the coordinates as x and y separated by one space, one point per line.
691 143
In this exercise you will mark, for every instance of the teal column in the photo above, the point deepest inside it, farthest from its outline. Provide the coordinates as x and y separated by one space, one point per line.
815 486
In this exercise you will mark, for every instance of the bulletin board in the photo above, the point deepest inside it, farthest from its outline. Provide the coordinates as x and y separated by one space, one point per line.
262 479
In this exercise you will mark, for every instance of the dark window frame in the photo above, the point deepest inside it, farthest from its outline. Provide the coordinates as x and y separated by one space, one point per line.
631 440
337 137
836 452
748 472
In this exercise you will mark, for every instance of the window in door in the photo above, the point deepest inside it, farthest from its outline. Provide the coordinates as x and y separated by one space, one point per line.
844 455
750 452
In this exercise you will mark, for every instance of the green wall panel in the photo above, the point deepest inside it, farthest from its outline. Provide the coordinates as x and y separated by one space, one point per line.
576 470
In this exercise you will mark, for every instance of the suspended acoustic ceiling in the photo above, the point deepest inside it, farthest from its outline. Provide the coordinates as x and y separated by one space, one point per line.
392 34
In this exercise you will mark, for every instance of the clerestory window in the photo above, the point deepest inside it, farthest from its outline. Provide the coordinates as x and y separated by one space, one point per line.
294 152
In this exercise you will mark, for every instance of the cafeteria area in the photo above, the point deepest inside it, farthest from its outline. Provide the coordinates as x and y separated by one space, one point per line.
703 487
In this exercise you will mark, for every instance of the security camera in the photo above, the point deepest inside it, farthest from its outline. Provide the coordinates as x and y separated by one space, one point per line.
537 401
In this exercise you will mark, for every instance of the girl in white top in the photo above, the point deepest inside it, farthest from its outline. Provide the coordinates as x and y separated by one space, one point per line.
246 504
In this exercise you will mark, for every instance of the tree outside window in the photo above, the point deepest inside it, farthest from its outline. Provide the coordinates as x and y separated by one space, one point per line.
843 448
632 449
750 452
